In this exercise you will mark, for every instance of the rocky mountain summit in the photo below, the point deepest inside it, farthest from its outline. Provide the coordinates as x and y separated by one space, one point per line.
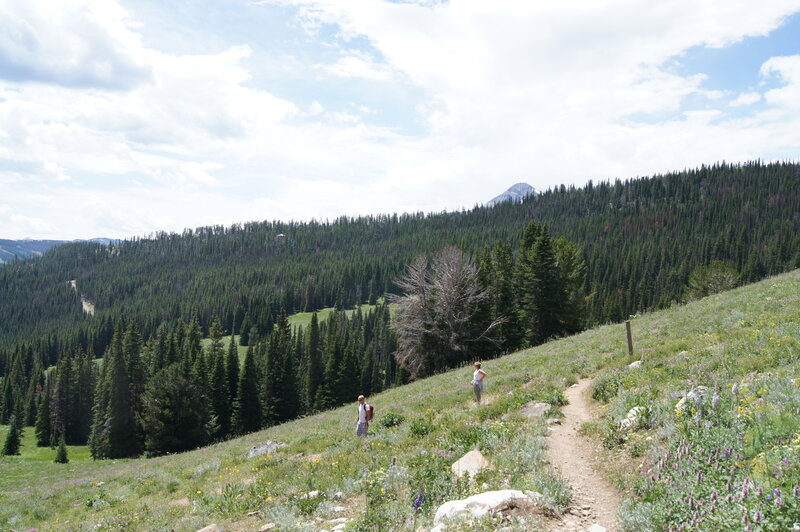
515 194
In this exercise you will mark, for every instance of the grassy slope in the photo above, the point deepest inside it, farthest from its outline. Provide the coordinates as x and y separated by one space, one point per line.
711 342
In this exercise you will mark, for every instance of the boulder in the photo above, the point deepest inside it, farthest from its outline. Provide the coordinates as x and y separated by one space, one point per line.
534 409
264 448
482 504
473 462
633 418
698 394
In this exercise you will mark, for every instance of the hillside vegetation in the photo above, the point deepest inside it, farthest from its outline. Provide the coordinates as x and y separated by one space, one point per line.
727 459
641 241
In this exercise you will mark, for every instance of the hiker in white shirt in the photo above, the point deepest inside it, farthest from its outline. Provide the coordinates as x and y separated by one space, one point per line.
477 381
363 422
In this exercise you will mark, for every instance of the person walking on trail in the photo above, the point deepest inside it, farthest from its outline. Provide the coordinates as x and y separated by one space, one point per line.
363 416
477 381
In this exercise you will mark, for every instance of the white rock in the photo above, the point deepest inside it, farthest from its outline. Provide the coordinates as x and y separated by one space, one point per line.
635 365
597 528
632 419
264 448
472 463
338 496
483 504
212 528
534 409
310 495
338 521
338 527
339 509
438 528
268 527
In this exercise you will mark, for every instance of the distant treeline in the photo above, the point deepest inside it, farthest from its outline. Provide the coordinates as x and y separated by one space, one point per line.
640 240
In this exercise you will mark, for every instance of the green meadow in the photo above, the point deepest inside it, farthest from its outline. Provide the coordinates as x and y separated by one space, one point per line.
727 460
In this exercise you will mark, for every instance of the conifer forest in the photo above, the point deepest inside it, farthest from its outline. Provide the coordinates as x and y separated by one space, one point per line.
191 330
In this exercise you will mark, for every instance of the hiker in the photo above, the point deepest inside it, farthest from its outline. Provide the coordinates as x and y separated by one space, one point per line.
364 415
477 381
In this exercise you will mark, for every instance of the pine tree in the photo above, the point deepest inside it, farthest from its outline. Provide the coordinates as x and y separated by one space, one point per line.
173 414
314 366
327 393
61 453
132 352
11 445
232 370
247 407
218 383
42 425
114 427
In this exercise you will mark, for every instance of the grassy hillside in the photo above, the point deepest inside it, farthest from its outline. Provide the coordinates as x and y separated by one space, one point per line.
711 463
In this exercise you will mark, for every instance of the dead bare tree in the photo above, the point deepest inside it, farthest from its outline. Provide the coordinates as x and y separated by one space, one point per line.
438 320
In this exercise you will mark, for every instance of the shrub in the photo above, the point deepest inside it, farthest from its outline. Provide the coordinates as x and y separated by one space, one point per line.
606 387
392 419
420 427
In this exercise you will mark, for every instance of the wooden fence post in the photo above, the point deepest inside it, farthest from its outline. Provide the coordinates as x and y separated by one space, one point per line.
630 337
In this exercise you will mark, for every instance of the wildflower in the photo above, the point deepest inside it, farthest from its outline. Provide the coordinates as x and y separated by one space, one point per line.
199 492
419 500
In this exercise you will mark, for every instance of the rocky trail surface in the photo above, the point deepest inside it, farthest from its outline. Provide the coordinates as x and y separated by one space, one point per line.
595 501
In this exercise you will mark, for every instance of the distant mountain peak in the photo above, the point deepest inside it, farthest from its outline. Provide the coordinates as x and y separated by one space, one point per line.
515 194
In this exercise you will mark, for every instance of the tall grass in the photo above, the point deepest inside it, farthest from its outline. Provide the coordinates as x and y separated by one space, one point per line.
744 447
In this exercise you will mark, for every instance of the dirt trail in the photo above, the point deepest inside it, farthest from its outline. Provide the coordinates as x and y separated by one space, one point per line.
594 500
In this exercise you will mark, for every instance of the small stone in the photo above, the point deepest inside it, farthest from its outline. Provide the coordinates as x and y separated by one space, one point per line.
310 495
339 509
338 496
597 528
338 527
267 527
212 528
338 521
251 514
264 448
553 421
635 365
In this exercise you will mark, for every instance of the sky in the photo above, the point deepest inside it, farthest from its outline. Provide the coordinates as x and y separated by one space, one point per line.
120 118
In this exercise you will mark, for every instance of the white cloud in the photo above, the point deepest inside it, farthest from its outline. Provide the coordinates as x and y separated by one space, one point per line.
787 69
141 140
80 43
358 65
746 98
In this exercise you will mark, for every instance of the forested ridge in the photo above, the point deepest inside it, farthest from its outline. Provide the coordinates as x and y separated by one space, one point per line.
641 240
466 286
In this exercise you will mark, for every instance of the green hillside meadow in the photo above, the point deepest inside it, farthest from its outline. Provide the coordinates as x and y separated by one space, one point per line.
730 460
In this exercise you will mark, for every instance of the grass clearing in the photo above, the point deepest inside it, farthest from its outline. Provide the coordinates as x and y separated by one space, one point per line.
747 337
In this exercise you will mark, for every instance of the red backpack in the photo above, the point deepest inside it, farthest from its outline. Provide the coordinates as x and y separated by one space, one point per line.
370 412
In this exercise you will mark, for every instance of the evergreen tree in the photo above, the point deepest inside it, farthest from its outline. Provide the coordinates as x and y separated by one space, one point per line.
327 392
314 366
510 333
114 424
61 453
11 445
247 407
42 426
232 370
173 414
218 383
